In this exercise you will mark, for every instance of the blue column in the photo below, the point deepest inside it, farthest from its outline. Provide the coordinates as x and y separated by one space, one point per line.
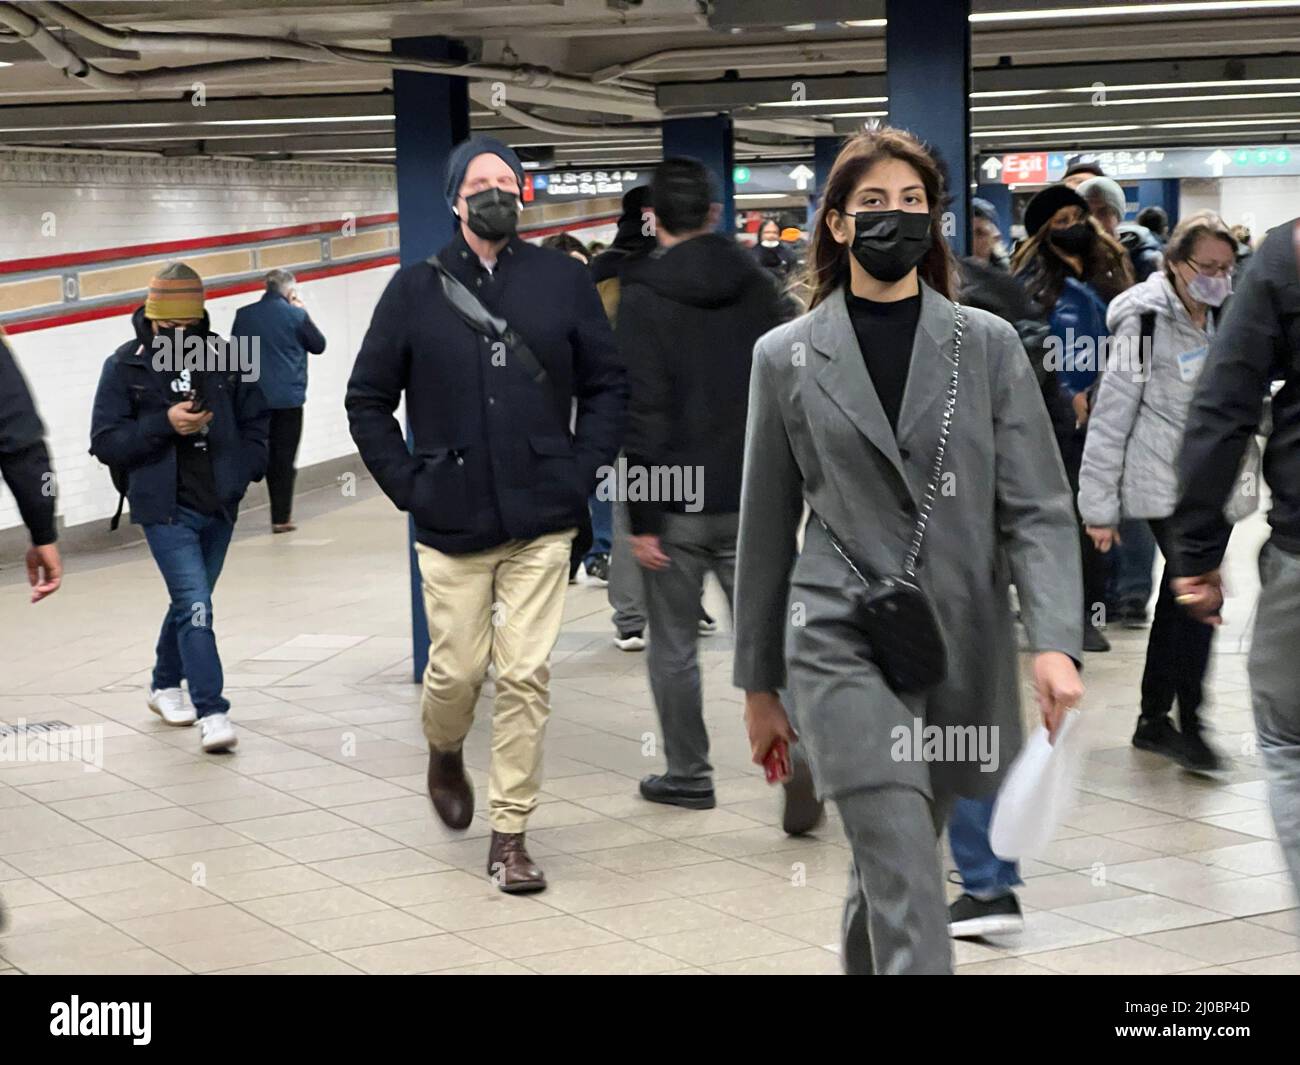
432 116
825 149
999 196
1160 192
927 70
707 139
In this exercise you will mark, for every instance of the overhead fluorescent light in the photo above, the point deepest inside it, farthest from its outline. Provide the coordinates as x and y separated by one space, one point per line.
1033 132
1148 87
289 121
1191 7
830 101
1141 100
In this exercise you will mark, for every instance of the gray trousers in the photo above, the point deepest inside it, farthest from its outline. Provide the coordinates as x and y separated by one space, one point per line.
696 545
626 588
895 916
1275 693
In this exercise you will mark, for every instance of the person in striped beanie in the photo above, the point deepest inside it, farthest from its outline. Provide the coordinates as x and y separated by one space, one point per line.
175 295
186 435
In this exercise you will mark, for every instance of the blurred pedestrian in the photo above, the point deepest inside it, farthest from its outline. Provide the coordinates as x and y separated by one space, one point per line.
285 335
1257 345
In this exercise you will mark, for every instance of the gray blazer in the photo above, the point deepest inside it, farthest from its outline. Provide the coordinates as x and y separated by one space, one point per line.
817 432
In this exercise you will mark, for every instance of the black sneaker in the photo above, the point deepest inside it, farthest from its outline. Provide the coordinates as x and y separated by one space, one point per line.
597 569
1093 640
658 788
801 811
1197 756
972 918
1158 735
1133 614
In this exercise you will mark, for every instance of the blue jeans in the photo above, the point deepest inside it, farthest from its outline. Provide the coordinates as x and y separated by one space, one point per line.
190 552
984 875
1134 557
602 526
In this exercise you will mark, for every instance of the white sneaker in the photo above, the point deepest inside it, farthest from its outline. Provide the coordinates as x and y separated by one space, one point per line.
170 705
217 733
632 641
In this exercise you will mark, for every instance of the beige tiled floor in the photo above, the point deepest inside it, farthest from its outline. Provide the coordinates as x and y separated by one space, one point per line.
313 849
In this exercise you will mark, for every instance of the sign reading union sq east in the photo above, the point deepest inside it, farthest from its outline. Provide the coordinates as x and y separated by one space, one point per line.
1038 168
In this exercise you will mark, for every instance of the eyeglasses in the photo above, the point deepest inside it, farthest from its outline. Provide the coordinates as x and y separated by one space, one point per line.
1212 269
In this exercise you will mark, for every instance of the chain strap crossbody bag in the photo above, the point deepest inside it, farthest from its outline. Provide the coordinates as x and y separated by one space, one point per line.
892 612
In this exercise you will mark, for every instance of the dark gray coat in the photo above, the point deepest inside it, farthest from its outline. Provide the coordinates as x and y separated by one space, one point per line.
817 434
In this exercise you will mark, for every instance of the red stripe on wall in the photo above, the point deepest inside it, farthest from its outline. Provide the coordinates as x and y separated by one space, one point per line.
583 223
166 247
91 314
114 310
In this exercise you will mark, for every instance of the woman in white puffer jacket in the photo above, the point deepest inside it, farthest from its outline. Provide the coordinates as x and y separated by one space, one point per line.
1128 471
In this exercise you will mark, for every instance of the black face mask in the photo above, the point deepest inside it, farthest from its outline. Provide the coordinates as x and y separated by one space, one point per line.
887 244
1074 240
492 214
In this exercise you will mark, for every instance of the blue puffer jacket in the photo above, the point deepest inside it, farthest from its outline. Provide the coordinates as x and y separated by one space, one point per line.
285 334
129 429
1079 335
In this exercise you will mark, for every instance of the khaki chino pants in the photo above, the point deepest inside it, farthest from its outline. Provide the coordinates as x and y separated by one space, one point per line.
501 607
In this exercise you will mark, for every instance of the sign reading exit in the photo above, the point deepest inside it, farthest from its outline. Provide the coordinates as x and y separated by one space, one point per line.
1041 168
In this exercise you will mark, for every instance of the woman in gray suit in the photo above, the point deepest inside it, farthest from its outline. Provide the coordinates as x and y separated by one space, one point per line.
845 413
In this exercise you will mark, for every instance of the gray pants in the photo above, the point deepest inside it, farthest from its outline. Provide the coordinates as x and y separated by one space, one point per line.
1275 693
895 916
626 588
696 544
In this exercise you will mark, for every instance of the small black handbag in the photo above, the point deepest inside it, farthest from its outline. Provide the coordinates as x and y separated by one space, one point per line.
892 612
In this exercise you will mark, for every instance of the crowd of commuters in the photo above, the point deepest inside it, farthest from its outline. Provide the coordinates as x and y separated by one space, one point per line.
869 459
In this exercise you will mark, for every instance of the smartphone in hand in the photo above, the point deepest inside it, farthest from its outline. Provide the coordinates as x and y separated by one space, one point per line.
776 763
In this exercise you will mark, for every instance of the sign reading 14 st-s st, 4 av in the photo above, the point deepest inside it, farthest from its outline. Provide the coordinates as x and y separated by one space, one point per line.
1038 168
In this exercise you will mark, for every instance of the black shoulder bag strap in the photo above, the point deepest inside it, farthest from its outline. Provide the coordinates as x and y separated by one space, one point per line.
469 308
116 520
936 471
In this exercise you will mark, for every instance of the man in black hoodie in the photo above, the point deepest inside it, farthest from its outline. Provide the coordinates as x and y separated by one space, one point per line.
688 320
1257 344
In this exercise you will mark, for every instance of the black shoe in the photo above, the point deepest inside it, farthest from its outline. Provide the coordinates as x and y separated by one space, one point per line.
1133 614
1093 640
971 918
1158 735
1197 756
801 811
597 569
658 788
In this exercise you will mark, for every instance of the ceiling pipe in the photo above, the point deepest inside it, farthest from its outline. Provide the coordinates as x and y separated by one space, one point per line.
793 53
74 66
313 52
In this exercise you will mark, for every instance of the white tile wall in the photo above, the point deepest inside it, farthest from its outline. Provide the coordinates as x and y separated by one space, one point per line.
104 201
56 203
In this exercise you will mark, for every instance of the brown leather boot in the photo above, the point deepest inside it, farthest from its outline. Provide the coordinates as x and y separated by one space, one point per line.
509 866
450 789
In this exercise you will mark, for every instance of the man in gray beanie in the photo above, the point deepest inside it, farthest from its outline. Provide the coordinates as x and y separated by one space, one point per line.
495 481
1106 201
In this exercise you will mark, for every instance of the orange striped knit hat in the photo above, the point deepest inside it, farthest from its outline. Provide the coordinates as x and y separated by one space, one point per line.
175 294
